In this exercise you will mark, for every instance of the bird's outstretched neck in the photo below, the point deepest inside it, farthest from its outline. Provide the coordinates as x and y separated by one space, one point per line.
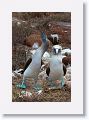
45 42
43 36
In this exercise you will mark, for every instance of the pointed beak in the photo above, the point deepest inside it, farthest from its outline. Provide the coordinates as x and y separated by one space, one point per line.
56 51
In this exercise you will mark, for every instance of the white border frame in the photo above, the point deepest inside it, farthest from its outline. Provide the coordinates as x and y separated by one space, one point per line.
76 104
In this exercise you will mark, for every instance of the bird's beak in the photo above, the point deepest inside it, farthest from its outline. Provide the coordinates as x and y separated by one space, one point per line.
56 51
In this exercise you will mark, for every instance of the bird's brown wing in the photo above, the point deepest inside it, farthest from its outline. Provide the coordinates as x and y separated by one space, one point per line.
48 71
64 69
27 64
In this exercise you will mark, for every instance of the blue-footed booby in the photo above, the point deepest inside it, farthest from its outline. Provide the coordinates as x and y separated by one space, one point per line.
27 64
32 70
56 69
54 38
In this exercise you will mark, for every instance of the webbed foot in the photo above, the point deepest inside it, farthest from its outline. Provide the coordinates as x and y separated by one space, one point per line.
22 86
62 83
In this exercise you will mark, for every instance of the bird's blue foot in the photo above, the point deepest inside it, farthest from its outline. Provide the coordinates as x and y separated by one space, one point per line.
22 86
37 87
62 83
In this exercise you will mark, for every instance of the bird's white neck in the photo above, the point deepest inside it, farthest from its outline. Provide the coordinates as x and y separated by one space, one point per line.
56 55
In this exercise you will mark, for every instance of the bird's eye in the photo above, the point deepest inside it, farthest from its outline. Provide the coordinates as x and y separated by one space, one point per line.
59 50
54 50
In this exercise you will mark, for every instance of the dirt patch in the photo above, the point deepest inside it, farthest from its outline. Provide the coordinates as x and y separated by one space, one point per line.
57 95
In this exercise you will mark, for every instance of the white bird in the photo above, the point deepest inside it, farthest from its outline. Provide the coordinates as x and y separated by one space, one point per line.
56 69
46 56
54 38
32 70
66 52
17 73
35 45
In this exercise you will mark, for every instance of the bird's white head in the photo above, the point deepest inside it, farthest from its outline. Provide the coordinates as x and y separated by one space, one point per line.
56 49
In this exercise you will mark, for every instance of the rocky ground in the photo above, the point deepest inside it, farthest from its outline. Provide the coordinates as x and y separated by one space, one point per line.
21 30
